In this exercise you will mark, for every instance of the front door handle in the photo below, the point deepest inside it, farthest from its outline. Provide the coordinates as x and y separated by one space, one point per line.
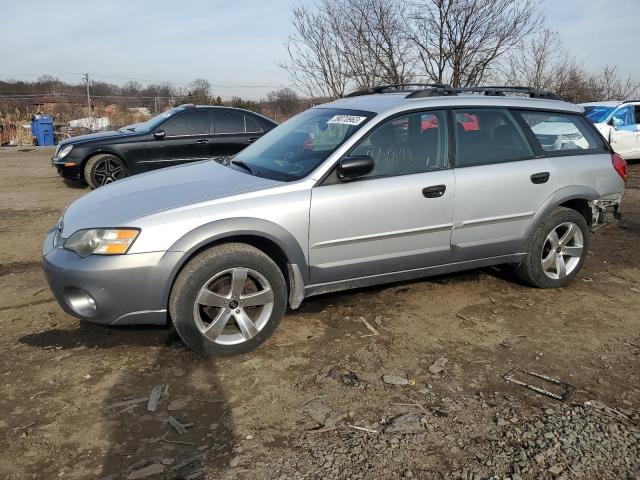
434 191
252 139
541 177
202 142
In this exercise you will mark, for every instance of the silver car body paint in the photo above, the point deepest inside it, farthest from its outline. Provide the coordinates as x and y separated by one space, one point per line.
334 236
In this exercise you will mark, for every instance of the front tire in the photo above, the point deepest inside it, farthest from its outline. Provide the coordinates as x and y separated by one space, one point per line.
103 169
557 250
228 300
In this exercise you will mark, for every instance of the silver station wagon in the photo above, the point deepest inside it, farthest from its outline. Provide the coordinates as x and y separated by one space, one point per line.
395 183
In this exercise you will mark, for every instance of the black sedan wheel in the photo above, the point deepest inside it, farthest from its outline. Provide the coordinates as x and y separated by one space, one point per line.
103 169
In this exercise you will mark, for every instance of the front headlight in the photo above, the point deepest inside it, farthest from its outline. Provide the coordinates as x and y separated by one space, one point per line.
101 241
65 151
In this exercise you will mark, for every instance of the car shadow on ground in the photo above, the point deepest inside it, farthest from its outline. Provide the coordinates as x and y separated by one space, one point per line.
629 226
318 304
101 336
139 440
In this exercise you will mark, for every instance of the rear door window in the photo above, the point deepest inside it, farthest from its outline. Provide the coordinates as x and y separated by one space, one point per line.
485 136
562 133
229 121
187 124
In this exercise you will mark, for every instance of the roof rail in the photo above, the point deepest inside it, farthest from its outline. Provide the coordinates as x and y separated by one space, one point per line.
631 101
187 105
397 87
497 91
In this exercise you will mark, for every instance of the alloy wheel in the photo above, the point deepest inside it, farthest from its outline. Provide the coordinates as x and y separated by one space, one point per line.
562 250
107 170
233 306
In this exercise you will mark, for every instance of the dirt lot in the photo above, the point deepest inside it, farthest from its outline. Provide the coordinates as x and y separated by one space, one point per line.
65 385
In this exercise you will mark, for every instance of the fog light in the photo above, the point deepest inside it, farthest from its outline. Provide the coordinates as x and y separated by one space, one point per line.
81 302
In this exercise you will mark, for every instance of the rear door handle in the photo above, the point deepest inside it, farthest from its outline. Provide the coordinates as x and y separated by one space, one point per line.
541 177
252 139
202 142
434 191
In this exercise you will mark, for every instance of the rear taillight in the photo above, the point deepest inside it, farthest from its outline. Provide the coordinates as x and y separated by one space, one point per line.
620 165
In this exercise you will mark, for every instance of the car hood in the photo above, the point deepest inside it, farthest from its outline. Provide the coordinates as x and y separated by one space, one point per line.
120 203
99 136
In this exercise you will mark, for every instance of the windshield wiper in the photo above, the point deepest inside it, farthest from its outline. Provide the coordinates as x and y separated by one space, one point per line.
244 165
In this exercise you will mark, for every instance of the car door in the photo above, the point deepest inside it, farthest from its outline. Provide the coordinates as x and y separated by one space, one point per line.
133 150
500 184
233 130
396 218
184 137
624 134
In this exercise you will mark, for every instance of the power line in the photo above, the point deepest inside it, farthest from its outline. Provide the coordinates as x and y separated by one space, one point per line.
156 81
82 95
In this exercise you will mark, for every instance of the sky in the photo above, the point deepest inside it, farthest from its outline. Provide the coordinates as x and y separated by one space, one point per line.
236 45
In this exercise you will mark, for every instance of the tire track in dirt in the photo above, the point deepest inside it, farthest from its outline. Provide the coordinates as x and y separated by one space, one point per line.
18 267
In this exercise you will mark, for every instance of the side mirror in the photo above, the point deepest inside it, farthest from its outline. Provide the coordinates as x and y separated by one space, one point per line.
615 122
159 134
354 167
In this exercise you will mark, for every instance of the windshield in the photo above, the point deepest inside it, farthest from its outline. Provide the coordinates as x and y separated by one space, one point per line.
598 113
151 123
295 148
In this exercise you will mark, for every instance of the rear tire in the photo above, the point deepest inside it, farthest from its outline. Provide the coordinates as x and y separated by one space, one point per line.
228 300
556 251
104 169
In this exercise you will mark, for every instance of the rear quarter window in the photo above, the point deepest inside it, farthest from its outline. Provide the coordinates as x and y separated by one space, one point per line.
562 133
251 125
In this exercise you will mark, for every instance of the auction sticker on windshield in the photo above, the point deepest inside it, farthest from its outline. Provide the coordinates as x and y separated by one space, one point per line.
347 119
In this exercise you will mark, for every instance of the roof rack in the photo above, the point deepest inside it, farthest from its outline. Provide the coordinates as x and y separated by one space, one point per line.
495 91
397 87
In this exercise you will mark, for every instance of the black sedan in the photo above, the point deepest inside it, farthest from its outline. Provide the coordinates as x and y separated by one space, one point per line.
183 134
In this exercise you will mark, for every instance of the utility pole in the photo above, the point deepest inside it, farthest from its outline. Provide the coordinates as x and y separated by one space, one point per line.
86 78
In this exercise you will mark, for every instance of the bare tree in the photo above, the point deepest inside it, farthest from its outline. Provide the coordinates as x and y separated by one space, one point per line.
343 44
315 63
200 90
614 87
461 41
543 62
375 45
49 82
285 101
539 62
428 31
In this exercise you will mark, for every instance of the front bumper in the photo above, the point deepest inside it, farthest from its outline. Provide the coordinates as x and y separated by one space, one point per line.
605 210
67 168
124 289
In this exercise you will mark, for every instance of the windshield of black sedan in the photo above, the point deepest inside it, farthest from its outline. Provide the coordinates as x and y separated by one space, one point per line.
295 148
151 123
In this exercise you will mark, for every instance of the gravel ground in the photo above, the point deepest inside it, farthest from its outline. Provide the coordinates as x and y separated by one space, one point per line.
424 397
587 440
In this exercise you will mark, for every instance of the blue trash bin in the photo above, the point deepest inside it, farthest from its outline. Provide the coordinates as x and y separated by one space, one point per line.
42 129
